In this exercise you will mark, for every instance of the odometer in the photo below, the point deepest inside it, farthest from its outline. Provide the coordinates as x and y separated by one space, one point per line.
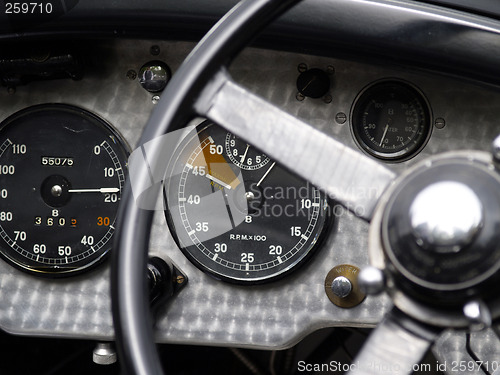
237 223
62 171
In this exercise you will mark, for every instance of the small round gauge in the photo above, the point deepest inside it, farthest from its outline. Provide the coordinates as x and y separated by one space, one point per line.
243 155
240 225
62 170
391 121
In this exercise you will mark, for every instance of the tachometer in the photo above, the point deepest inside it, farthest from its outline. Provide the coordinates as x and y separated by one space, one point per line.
238 215
62 170
391 121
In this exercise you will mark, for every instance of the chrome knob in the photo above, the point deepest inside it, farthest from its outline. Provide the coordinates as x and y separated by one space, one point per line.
371 280
341 286
446 216
154 76
104 354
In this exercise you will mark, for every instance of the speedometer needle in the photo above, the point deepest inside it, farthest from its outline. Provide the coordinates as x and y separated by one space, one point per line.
100 190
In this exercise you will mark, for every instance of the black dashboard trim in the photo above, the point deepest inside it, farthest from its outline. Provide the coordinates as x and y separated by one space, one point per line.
404 32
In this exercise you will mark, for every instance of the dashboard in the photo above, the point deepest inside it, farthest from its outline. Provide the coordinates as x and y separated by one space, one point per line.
350 97
108 92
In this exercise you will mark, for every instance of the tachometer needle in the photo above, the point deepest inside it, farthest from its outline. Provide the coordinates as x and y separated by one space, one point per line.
265 174
100 190
215 179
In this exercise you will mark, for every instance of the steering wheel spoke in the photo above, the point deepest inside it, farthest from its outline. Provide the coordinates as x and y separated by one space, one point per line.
396 345
351 178
430 274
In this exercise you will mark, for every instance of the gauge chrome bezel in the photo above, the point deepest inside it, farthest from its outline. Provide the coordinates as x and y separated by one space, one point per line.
216 270
81 265
426 121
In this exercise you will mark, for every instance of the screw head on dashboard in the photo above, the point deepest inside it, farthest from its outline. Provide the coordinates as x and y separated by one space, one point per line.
131 74
155 50
439 123
341 118
302 67
300 97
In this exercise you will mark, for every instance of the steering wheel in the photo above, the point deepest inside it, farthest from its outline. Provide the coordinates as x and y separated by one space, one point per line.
437 268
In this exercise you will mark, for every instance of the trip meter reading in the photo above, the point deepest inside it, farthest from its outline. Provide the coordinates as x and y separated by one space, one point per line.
391 121
240 224
62 170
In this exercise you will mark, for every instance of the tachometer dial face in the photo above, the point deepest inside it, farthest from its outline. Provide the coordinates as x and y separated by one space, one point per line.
62 171
240 225
391 121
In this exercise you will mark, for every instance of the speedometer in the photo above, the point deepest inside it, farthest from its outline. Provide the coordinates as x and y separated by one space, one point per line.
238 215
62 170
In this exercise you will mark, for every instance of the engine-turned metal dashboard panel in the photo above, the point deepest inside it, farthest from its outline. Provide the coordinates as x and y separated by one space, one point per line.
464 115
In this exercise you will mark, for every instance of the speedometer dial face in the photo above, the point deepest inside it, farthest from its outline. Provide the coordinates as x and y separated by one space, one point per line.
238 224
391 121
62 171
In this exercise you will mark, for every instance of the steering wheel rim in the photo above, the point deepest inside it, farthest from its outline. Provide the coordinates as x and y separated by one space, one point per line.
202 87
130 304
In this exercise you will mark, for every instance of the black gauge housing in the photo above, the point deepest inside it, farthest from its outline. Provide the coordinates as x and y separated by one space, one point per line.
391 120
238 215
62 171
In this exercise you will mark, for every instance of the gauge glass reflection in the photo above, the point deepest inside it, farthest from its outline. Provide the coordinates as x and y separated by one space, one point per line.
62 171
391 121
240 224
